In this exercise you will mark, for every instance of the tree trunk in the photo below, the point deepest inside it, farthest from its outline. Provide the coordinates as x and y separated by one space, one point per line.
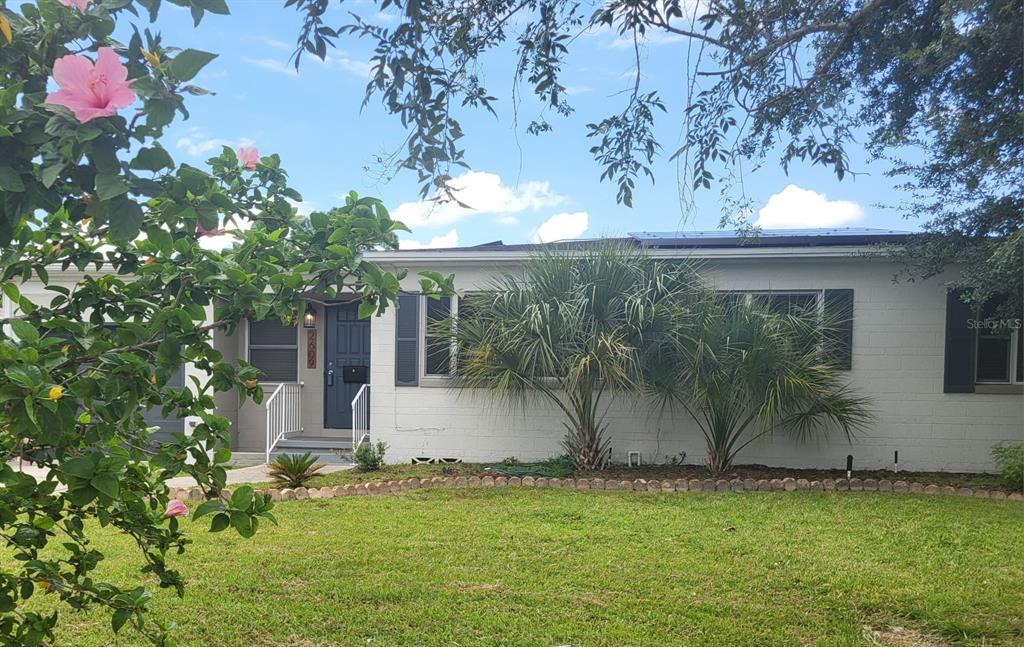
588 446
719 460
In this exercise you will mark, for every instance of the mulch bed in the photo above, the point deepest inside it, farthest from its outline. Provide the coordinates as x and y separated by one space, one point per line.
661 472
757 472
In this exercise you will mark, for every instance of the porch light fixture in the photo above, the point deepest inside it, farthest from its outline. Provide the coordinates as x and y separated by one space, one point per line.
309 318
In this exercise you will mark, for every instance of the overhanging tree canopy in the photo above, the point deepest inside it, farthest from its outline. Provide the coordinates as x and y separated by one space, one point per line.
934 88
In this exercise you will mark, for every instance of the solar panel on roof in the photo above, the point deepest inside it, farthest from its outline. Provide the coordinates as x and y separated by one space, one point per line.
766 233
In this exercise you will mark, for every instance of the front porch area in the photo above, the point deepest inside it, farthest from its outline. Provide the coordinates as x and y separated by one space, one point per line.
316 395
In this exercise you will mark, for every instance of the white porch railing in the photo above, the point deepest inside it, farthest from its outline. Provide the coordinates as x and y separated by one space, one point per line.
284 413
361 417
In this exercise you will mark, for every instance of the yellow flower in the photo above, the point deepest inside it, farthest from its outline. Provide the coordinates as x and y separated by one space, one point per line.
151 58
150 260
5 29
251 384
65 348
152 379
56 392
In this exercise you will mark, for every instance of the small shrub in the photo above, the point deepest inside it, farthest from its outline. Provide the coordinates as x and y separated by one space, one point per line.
1010 460
370 457
294 470
676 459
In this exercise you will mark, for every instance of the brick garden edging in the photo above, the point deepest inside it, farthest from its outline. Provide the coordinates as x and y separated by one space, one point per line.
639 485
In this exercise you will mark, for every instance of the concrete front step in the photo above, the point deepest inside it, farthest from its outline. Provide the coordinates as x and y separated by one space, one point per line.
331 451
310 443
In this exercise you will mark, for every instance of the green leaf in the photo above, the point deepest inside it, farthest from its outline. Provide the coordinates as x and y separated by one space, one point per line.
106 483
220 522
118 619
12 291
125 219
51 172
10 180
242 522
110 186
241 499
213 6
25 331
188 63
152 159
195 180
80 466
27 376
206 507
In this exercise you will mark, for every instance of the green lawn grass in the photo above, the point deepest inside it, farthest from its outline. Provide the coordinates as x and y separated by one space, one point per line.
561 567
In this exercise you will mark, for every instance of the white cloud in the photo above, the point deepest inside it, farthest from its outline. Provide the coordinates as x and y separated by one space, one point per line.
562 226
196 143
482 193
355 66
273 64
451 239
794 208
279 45
654 38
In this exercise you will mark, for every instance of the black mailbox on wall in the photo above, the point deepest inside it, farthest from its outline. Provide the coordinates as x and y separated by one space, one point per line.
355 374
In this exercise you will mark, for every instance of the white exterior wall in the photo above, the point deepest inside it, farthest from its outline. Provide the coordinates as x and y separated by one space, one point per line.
898 358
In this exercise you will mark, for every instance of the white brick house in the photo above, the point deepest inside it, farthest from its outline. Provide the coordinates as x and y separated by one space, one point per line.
944 392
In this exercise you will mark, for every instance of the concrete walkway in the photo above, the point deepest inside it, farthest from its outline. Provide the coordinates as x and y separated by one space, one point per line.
251 474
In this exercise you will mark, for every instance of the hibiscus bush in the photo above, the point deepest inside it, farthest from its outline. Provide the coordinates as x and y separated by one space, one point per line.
94 209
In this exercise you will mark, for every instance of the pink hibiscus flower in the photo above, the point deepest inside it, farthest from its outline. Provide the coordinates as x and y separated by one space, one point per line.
175 509
249 156
89 90
82 5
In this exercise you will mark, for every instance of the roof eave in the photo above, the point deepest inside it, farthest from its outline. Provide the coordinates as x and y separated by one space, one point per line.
425 256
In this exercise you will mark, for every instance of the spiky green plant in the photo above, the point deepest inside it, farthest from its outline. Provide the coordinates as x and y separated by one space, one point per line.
294 470
751 372
572 329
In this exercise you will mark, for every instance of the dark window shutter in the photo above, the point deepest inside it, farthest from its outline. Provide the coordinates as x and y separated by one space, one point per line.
407 329
960 340
839 314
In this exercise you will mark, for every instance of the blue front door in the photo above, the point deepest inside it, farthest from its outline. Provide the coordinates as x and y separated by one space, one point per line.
346 362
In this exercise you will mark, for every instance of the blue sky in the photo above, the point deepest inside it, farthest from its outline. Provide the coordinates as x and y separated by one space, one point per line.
522 187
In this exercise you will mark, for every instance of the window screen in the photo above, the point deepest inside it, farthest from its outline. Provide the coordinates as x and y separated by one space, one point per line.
786 304
274 349
993 358
438 348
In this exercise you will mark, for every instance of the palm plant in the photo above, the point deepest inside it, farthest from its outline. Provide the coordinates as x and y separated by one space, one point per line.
294 470
572 329
750 372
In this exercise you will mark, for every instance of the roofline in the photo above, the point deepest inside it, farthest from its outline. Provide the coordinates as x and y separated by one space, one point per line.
470 255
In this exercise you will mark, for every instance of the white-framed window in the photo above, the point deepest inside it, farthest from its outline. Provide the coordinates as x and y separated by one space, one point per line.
274 349
999 356
437 351
781 301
